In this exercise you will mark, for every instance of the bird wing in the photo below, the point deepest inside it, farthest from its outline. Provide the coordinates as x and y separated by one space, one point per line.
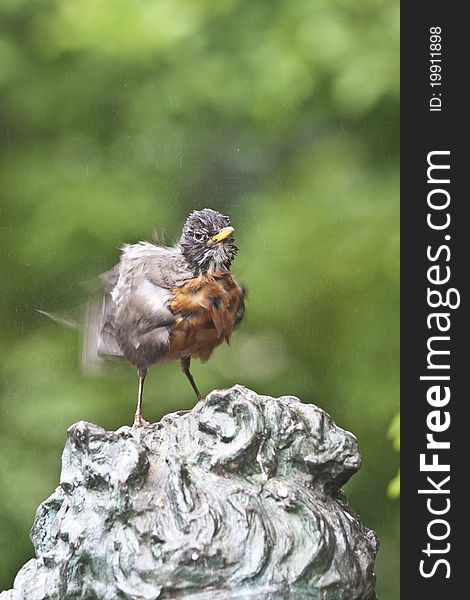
133 316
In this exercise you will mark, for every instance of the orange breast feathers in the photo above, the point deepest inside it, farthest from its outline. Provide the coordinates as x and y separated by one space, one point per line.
206 311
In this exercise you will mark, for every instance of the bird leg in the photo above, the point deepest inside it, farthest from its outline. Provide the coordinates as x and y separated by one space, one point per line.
185 363
139 421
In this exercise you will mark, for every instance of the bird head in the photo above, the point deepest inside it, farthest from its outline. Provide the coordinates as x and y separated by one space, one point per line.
207 241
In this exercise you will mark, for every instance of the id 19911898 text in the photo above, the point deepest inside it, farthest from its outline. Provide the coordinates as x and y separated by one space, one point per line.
435 68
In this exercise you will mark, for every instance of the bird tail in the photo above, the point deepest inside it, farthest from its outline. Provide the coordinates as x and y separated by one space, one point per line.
98 334
96 326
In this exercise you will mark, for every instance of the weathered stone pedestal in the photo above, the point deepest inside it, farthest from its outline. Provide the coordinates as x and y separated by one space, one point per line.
238 498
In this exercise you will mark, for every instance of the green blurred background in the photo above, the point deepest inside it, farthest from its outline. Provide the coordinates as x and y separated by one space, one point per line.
119 117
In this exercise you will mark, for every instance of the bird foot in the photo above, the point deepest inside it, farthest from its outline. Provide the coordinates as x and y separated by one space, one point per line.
139 421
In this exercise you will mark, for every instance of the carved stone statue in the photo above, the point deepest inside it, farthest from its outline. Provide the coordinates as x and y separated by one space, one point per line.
238 498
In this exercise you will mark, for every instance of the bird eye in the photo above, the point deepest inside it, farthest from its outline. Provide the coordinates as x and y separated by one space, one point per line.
198 235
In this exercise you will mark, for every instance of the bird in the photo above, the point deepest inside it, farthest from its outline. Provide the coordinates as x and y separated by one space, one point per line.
163 304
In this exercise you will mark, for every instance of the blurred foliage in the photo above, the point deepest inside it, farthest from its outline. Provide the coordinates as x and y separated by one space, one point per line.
120 117
394 435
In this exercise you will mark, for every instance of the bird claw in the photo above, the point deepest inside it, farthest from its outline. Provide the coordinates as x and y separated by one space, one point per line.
139 421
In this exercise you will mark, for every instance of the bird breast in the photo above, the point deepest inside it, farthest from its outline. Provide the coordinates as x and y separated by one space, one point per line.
206 312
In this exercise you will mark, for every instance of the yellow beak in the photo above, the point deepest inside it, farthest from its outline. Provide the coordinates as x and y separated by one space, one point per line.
223 234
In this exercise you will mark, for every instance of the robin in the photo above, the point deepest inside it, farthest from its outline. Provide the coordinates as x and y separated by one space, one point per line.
162 304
